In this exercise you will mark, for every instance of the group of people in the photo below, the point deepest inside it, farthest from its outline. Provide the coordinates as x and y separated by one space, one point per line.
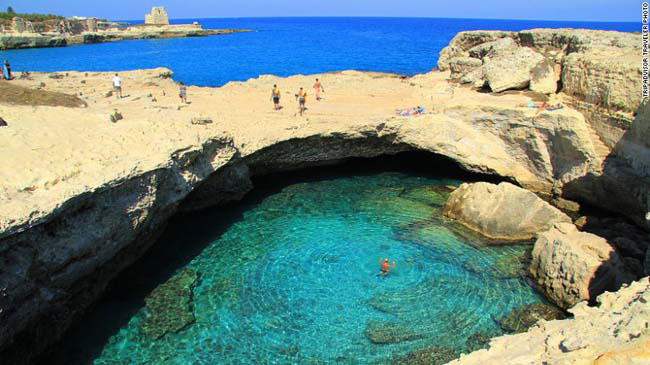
301 96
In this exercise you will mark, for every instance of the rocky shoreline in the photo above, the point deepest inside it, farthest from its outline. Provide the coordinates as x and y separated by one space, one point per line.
35 40
83 197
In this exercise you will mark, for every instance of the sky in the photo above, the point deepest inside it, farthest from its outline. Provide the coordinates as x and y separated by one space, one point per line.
587 10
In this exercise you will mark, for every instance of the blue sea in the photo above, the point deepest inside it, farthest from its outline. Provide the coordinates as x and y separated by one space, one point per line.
283 46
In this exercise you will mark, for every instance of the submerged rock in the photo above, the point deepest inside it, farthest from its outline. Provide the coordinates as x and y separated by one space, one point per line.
509 266
522 318
397 210
502 211
385 333
477 341
169 306
430 195
434 355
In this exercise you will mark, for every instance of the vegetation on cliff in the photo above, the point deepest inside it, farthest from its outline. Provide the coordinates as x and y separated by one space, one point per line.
9 15
19 95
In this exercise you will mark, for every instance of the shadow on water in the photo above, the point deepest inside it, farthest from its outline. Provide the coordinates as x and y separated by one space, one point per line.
85 340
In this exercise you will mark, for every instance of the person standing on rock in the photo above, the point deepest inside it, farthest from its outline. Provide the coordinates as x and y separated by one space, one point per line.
302 98
117 86
7 70
183 93
275 96
318 87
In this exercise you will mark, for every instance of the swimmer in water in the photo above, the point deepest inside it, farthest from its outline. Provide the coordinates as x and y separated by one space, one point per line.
385 267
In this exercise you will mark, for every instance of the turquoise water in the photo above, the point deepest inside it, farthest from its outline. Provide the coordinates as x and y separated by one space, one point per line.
294 281
283 47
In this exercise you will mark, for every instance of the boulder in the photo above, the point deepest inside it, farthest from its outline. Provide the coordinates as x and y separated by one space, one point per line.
543 78
460 66
510 68
502 211
465 41
484 49
571 266
476 77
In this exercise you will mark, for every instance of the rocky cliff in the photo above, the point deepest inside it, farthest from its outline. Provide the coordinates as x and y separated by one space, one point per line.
597 73
37 40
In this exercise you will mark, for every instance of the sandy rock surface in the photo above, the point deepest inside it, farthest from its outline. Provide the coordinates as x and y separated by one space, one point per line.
61 152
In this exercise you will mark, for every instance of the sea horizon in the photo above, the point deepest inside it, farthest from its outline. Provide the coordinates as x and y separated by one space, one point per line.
285 46
389 17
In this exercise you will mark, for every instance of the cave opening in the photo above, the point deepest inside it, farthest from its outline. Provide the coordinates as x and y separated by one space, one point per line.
126 294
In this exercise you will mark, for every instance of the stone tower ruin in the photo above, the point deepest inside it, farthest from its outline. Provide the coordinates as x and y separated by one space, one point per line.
158 16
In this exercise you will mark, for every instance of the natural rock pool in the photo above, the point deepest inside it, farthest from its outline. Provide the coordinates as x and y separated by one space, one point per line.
292 279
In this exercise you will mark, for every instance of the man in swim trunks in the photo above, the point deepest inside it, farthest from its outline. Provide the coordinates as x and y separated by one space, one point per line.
318 88
183 93
302 95
385 267
275 96
117 86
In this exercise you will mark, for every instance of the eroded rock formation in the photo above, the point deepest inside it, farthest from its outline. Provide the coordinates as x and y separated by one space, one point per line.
614 332
573 266
503 211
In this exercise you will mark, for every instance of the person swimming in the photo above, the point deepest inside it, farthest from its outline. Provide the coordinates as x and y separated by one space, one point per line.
385 267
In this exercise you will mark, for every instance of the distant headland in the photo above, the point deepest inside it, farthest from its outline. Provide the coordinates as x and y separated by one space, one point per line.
39 30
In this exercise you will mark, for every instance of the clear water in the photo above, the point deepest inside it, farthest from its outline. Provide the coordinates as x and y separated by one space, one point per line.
294 280
283 46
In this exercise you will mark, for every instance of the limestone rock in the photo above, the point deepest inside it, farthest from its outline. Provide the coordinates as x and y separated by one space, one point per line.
388 333
510 68
464 41
460 66
522 318
201 120
543 78
502 211
609 77
476 77
434 355
169 306
34 40
115 116
615 330
572 266
20 25
486 48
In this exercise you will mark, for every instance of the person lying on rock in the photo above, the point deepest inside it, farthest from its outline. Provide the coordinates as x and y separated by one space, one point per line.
385 267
